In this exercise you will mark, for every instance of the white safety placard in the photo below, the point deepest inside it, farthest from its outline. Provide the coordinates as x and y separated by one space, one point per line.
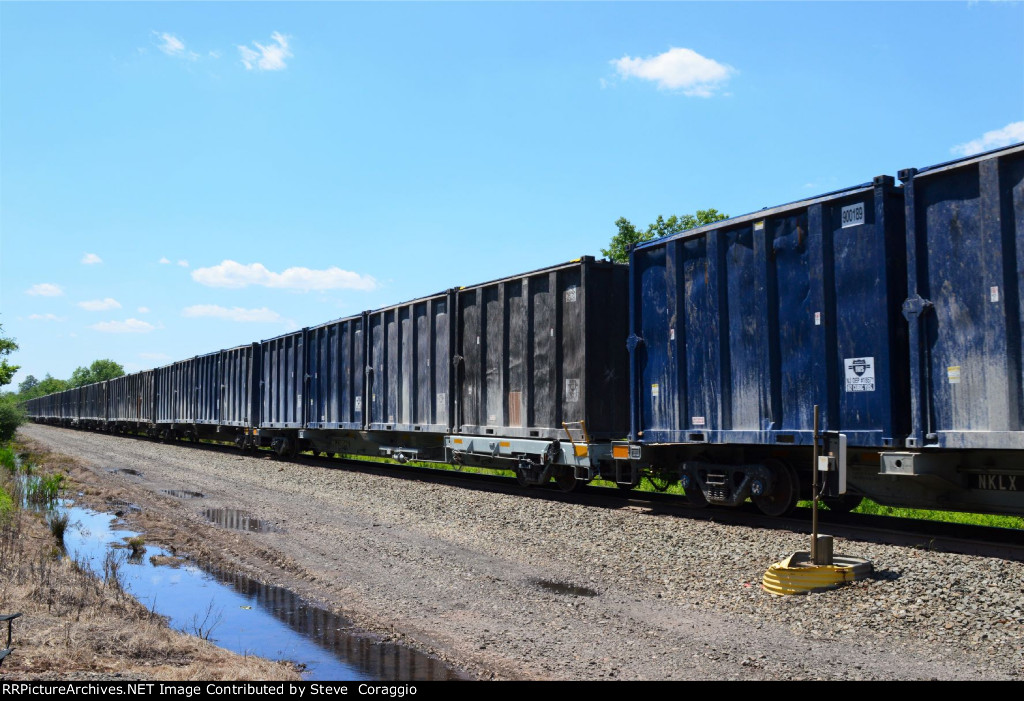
860 374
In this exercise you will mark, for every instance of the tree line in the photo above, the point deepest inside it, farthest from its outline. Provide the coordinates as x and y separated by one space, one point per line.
11 413
100 370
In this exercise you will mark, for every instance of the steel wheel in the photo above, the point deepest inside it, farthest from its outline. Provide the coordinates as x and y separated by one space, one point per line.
783 496
521 478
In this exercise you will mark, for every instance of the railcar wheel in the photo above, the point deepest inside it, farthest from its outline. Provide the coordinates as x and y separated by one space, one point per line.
783 496
521 479
566 480
844 504
691 490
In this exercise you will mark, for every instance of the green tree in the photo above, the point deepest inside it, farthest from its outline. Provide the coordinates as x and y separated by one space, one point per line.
47 385
27 385
7 346
97 372
628 235
11 415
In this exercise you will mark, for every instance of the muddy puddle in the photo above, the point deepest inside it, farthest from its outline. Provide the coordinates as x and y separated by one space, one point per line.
121 507
237 520
564 588
125 471
182 493
240 614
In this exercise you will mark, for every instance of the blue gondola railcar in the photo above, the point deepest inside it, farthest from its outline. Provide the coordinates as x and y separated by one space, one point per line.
738 328
965 249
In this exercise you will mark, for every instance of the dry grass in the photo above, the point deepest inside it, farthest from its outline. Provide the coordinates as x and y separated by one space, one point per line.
75 622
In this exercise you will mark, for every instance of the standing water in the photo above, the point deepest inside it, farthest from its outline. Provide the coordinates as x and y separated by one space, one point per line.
242 615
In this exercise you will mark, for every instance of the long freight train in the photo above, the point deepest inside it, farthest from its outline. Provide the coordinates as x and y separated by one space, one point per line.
894 308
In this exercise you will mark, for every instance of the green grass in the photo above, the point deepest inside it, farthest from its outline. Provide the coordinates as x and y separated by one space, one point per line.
995 521
6 507
44 490
8 458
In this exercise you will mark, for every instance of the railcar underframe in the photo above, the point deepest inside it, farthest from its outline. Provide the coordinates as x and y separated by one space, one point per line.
774 478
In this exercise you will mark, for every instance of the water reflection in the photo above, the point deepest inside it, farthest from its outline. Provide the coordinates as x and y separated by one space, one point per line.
380 660
237 520
182 493
246 616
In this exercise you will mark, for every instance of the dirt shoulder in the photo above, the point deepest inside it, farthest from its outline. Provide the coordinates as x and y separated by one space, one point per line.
458 573
77 626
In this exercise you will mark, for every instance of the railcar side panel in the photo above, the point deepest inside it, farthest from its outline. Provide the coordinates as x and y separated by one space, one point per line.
337 372
542 349
283 372
207 390
740 327
131 397
176 392
239 385
410 349
965 245
93 400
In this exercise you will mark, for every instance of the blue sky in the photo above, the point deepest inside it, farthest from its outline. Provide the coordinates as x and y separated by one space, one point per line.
177 178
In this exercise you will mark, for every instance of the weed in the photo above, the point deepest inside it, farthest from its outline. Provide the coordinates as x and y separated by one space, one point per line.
138 545
44 490
58 524
112 575
203 628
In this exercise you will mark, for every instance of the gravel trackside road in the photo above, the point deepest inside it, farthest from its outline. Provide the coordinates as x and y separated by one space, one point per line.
456 572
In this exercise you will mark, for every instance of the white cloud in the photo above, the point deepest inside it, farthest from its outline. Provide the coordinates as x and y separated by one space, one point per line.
46 317
1010 134
268 58
45 289
126 326
183 263
170 44
236 275
234 314
164 261
99 305
214 54
143 310
155 356
91 259
677 69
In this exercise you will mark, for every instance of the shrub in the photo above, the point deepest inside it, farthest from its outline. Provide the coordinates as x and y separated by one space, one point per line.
11 416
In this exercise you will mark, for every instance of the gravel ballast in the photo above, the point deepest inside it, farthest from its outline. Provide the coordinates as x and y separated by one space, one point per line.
458 572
